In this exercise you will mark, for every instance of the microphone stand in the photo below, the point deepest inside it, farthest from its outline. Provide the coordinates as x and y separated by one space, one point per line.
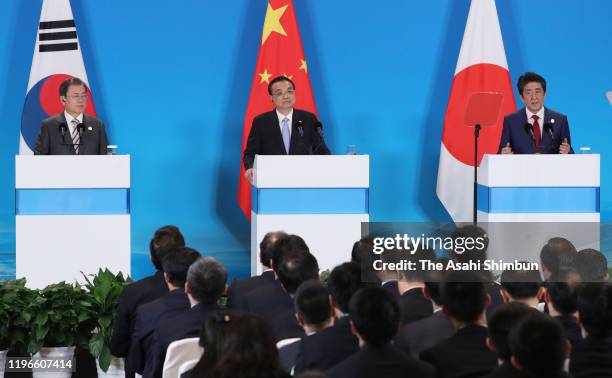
475 204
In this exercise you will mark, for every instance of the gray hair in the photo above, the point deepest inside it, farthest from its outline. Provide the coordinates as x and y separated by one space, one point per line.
206 278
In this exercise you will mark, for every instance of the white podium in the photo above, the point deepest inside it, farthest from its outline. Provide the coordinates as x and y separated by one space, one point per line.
322 198
72 214
538 197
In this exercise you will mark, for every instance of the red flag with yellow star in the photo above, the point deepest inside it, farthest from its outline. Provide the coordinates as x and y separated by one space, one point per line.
280 53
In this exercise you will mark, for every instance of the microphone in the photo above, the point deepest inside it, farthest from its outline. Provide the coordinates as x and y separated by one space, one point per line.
300 127
529 130
319 128
62 129
80 129
548 129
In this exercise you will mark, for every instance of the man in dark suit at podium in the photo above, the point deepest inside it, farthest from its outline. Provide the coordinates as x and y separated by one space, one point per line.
72 132
283 131
534 129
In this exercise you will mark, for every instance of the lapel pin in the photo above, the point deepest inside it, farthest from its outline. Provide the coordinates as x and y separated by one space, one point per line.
89 128
552 120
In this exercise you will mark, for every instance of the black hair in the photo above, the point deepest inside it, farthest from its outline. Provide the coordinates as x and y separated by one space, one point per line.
564 296
212 335
375 314
592 265
63 88
312 303
415 272
343 281
295 268
433 282
557 256
248 350
207 279
266 247
595 308
537 343
464 295
530 77
164 239
501 322
521 284
474 252
285 245
176 263
278 79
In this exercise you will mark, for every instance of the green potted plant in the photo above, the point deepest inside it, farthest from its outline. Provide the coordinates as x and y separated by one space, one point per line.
14 317
104 289
64 320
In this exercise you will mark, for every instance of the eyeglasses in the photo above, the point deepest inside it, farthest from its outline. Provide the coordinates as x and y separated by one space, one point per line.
79 97
289 92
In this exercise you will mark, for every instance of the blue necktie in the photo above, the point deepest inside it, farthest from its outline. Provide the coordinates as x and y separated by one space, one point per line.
286 134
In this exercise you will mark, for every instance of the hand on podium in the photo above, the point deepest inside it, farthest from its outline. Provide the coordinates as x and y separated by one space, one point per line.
564 148
507 150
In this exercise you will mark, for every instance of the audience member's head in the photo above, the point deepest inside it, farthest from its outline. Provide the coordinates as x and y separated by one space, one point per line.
266 247
285 245
343 281
501 322
538 346
248 350
556 257
415 273
296 268
592 266
521 286
470 243
464 296
363 255
175 264
164 239
206 281
389 257
312 306
375 315
595 309
433 284
212 335
562 298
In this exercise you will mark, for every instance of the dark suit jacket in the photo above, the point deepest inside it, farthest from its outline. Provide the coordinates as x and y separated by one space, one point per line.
464 354
572 329
265 137
50 140
174 326
414 306
391 287
287 354
423 334
592 358
521 142
386 361
239 288
142 345
135 294
267 300
327 347
284 325
506 370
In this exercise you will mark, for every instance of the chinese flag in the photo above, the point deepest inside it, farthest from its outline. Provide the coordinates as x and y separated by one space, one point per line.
280 54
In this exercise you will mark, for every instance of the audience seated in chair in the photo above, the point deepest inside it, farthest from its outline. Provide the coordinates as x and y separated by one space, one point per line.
142 291
205 284
239 288
327 347
375 317
464 354
593 357
411 282
562 303
524 286
175 264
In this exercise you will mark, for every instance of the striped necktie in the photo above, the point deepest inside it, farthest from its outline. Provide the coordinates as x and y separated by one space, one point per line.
75 136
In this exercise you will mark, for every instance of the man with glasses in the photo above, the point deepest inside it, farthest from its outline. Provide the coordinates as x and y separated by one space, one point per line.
283 131
72 132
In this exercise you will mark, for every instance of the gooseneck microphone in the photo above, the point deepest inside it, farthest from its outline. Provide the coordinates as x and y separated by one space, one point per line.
529 130
62 129
80 129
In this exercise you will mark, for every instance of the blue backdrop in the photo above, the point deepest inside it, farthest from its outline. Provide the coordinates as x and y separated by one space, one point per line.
172 80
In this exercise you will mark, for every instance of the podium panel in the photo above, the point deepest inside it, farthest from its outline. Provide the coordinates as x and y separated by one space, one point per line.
553 195
72 215
324 199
